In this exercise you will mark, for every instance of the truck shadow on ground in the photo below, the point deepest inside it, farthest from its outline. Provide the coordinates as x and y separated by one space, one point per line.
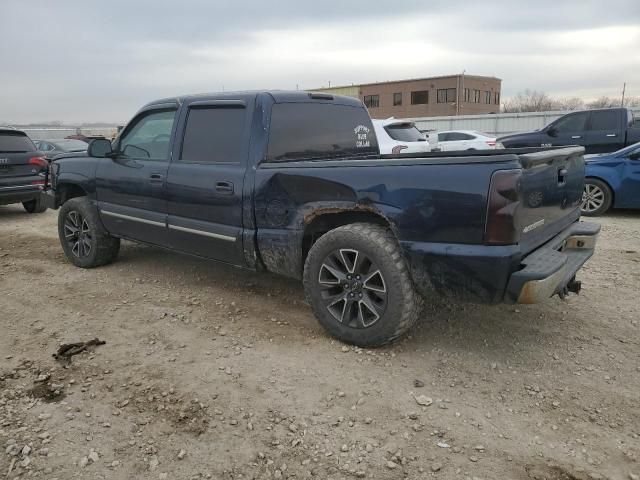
450 326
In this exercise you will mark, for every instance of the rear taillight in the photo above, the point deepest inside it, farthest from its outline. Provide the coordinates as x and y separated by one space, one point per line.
491 143
38 162
398 149
504 199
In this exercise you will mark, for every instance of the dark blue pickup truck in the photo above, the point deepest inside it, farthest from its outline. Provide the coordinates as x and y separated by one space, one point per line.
293 183
598 131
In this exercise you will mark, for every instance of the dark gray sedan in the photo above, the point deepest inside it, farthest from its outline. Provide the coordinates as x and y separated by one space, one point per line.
51 148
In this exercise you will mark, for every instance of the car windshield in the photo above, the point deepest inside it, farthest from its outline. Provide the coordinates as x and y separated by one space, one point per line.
15 142
405 132
71 145
623 152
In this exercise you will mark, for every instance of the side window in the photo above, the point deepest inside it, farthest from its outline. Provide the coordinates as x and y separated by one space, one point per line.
606 120
149 137
457 136
214 135
575 122
443 137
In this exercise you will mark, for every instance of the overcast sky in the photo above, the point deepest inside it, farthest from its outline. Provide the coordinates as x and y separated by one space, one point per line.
85 60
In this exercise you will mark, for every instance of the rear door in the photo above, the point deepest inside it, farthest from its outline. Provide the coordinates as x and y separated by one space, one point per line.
131 187
606 131
206 178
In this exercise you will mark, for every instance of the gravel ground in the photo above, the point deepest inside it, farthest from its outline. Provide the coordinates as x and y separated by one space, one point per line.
211 372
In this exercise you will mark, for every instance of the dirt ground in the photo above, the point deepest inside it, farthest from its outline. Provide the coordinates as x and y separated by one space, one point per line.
211 372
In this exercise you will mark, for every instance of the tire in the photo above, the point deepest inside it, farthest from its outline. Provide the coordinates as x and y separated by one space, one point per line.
596 198
34 206
374 281
84 240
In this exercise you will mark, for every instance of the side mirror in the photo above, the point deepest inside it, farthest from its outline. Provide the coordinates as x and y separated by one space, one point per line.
99 148
552 131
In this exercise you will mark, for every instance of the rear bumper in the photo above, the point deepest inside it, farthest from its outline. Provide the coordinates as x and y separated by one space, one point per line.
18 193
552 268
492 274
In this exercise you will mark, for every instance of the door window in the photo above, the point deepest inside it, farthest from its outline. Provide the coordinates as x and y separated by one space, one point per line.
149 137
459 136
572 123
214 135
606 120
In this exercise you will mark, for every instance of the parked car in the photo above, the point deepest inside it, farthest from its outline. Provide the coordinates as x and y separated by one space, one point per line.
452 140
599 131
51 148
22 171
83 138
612 180
293 183
397 136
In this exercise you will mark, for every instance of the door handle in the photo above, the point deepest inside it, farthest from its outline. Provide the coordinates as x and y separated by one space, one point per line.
562 173
155 178
612 134
576 136
224 187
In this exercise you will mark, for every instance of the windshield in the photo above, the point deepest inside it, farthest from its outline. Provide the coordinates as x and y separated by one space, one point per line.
15 142
405 132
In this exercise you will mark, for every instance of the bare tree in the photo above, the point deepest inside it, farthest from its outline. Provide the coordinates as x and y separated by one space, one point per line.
604 102
572 103
528 101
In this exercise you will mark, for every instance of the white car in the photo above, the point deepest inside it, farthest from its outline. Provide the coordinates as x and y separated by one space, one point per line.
467 140
397 136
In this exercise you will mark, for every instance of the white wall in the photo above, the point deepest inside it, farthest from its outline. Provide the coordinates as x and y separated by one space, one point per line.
498 124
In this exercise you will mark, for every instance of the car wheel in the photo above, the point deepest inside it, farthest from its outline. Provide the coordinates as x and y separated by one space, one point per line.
84 240
358 284
34 206
596 197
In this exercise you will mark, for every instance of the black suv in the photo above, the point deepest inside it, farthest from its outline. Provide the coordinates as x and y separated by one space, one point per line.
22 171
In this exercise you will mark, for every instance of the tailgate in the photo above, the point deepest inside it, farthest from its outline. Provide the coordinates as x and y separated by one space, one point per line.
551 191
16 151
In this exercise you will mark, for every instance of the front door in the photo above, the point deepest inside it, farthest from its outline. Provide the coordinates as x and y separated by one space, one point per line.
629 194
206 179
570 130
131 188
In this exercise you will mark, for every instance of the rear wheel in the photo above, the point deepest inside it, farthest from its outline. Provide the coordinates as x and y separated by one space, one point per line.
34 206
596 197
84 240
358 284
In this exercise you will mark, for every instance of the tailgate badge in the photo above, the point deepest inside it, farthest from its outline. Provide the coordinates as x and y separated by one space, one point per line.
4 161
533 226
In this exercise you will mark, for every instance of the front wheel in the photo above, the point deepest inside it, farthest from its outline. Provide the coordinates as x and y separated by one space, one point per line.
358 284
596 197
84 240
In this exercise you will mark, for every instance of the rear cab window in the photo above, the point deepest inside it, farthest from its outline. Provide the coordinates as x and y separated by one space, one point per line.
404 132
15 142
314 131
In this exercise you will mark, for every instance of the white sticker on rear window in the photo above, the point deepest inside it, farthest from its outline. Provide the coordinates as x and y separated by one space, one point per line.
362 136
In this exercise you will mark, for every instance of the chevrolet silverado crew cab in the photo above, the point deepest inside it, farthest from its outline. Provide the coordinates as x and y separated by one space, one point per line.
598 131
293 183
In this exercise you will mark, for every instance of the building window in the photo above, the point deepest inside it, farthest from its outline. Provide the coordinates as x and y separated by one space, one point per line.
467 95
487 97
372 101
397 99
420 98
446 95
496 98
476 96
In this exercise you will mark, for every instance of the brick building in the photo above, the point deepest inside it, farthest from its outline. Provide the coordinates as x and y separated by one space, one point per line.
427 97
